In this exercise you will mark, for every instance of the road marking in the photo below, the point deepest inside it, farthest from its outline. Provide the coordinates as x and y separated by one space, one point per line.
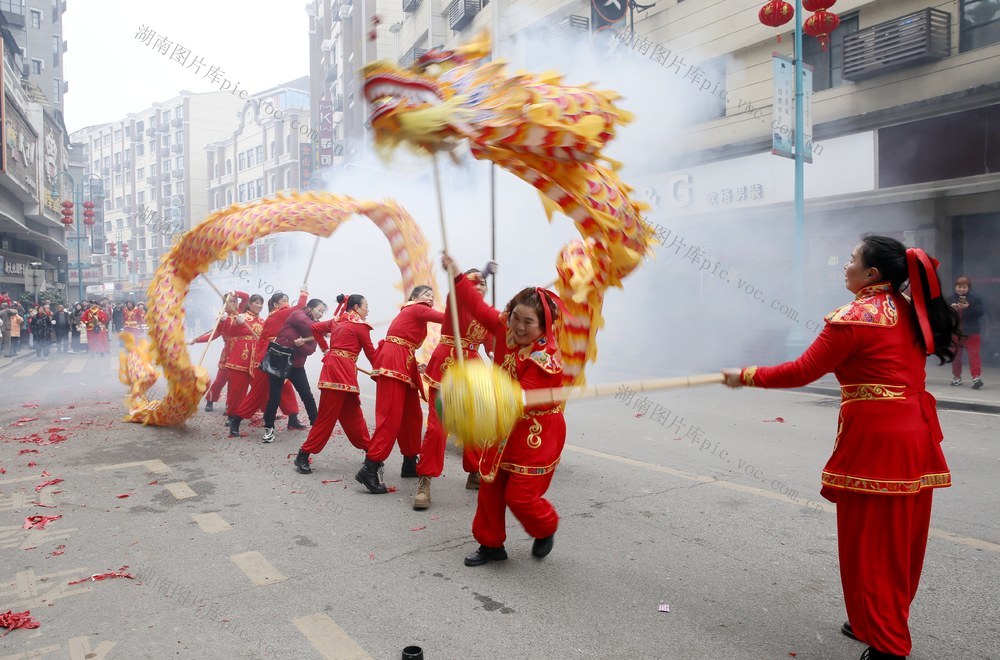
30 370
30 590
211 523
180 490
969 541
19 479
75 366
329 639
156 466
33 653
79 649
257 568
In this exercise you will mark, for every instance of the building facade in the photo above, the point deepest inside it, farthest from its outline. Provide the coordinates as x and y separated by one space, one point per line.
36 26
156 179
32 237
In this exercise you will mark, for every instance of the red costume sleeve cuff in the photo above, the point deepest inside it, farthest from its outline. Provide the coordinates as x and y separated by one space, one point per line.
747 376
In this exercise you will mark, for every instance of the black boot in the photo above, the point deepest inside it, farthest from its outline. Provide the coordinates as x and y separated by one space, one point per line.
542 546
302 462
294 424
370 476
871 653
209 407
409 470
234 426
484 555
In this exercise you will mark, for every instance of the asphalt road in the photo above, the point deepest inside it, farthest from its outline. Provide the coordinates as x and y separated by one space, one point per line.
700 501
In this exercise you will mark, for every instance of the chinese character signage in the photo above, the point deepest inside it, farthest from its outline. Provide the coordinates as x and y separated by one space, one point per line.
53 160
20 147
783 114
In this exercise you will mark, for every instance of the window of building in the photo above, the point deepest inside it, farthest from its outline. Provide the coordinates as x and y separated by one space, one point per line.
140 198
272 149
165 140
36 18
167 190
97 163
179 112
140 150
152 147
243 192
56 90
260 153
118 158
274 183
139 127
215 200
13 6
260 187
165 165
229 166
118 180
118 135
106 162
242 164
179 163
980 24
250 158
140 173
828 63
229 197
36 66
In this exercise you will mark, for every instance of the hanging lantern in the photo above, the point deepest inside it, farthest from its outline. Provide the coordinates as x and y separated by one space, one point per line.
88 214
817 5
776 13
67 213
820 25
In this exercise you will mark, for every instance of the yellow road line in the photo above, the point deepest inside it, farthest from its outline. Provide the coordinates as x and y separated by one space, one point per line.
329 639
969 541
180 490
211 523
257 568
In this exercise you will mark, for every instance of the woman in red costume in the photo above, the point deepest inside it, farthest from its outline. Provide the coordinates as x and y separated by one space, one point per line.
132 318
517 470
235 303
242 332
397 401
260 384
96 320
339 399
887 456
432 449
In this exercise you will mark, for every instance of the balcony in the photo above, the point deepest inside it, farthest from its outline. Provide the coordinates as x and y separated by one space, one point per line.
164 152
908 41
177 174
411 56
177 122
410 6
461 13
151 131
177 148
151 180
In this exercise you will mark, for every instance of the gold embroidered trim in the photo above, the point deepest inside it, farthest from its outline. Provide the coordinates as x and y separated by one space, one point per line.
862 485
448 340
534 438
393 374
340 387
344 354
402 342
871 392
528 414
747 376
534 471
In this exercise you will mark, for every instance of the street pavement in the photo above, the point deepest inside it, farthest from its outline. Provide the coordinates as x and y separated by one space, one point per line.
704 500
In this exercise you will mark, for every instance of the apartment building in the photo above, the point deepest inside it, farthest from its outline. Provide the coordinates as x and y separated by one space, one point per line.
34 153
36 26
155 175
271 149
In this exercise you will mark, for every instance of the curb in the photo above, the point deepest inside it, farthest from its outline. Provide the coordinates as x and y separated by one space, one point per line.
942 404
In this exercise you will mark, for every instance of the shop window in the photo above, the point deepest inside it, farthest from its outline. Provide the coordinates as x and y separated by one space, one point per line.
980 24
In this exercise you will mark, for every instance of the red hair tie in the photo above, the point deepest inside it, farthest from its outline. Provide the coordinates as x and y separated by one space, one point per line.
543 294
340 307
913 257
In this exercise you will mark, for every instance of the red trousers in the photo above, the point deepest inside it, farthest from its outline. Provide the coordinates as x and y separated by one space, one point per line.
435 441
214 393
397 417
970 345
522 493
882 539
256 399
337 406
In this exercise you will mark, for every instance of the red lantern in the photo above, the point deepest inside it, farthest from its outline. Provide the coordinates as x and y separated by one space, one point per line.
776 13
817 5
67 213
88 213
820 25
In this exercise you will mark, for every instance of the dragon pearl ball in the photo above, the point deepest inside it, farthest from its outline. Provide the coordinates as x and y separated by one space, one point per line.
479 402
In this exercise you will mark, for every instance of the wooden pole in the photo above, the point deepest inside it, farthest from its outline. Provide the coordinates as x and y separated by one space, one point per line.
452 300
559 394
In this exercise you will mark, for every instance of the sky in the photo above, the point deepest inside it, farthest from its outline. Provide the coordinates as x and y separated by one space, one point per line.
111 73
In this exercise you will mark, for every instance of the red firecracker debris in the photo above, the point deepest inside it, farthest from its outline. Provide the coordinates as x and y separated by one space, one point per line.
417 529
32 464
38 522
123 495
638 414
50 482
3 470
780 420
47 506
331 481
295 492
152 483
24 420
27 451
435 517
60 550
29 405
13 620
55 429
45 473
371 555
391 489
120 573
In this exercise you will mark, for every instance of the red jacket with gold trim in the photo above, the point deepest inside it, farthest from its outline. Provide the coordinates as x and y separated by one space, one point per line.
132 318
445 354
395 356
349 336
219 333
242 342
536 443
888 436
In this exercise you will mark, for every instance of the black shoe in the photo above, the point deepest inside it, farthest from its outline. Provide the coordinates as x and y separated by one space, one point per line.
543 546
977 383
302 463
294 424
871 654
234 426
485 555
847 631
370 476
409 470
209 407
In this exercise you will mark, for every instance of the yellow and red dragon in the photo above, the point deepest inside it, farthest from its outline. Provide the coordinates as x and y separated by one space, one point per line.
546 133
